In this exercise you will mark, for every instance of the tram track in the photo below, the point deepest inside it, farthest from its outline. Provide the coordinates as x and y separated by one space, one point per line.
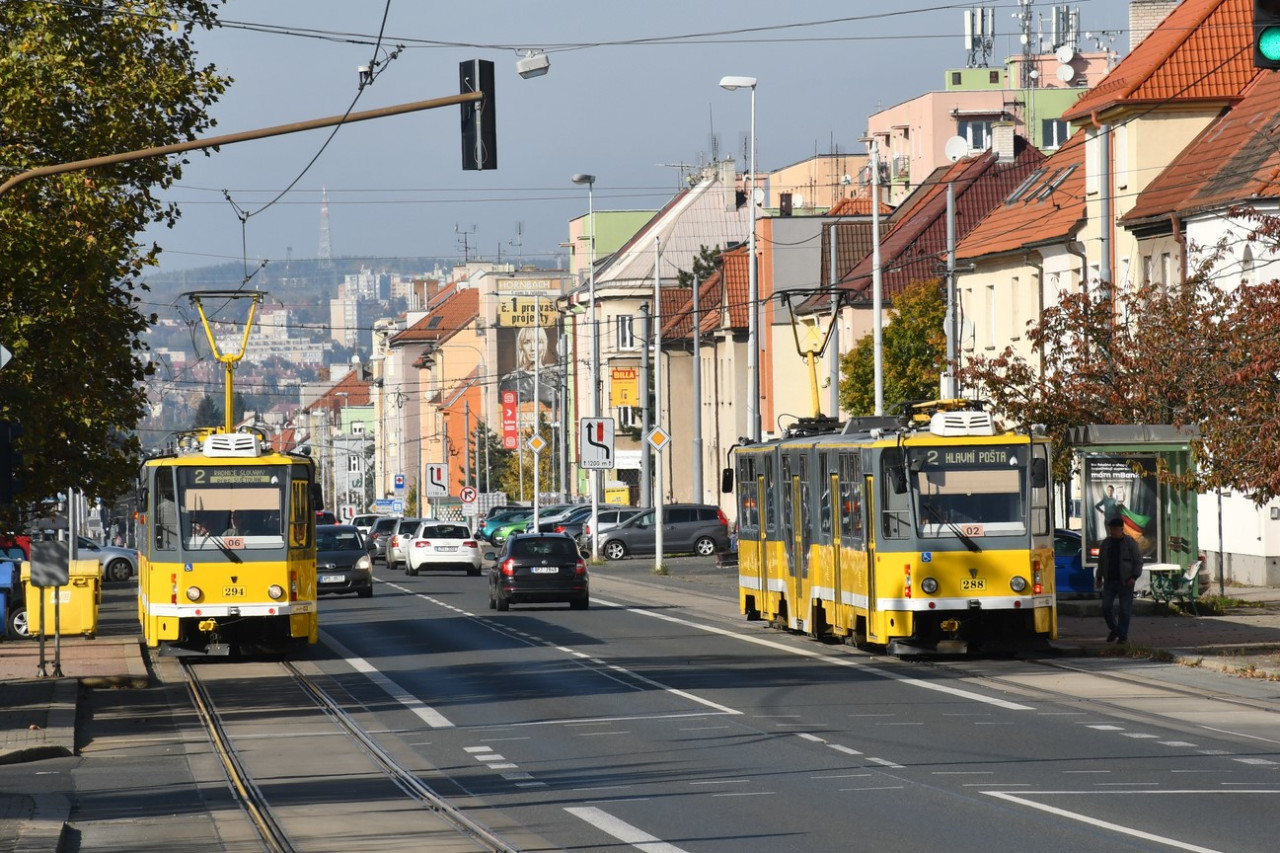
268 824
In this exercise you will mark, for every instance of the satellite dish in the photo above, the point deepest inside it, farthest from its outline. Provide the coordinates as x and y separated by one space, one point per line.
1065 54
1066 73
956 147
758 196
797 200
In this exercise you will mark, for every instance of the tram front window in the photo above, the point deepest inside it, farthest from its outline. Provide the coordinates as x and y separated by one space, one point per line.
238 504
974 491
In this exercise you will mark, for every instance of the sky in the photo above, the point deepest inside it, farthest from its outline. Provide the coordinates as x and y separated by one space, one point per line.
632 97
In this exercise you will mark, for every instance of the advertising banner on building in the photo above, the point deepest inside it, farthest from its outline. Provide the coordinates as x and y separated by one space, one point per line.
624 387
510 432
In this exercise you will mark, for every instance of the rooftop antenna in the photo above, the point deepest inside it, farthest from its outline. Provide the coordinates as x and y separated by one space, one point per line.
518 242
325 253
979 35
463 235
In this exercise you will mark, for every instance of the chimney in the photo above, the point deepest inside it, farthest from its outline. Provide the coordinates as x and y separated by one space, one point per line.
1002 141
1145 16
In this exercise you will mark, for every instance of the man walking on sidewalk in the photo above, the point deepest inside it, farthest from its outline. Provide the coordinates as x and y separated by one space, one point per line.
1119 567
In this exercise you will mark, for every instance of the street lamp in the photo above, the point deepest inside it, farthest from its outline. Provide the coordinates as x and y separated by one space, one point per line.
753 282
590 181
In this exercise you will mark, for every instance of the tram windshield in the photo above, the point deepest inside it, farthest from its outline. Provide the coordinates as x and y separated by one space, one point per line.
233 505
969 491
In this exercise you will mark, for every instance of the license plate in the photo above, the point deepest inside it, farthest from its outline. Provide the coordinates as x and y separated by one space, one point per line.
447 548
546 570
331 579
233 592
973 584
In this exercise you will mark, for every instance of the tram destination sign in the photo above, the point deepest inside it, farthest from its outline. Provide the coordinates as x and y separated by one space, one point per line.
995 456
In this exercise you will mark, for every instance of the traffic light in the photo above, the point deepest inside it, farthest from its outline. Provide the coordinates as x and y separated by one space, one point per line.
479 125
1266 34
10 461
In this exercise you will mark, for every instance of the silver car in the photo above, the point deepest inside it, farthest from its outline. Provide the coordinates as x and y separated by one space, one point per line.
118 564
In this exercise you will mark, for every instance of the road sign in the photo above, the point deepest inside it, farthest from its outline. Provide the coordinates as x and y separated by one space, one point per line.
468 495
510 440
5 355
399 482
384 506
658 438
596 444
537 444
437 480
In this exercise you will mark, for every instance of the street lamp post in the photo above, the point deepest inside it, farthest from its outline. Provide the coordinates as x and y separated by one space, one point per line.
590 181
753 282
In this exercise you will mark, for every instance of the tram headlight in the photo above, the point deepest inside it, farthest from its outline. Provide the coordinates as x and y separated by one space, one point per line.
929 585
1019 583
194 593
275 591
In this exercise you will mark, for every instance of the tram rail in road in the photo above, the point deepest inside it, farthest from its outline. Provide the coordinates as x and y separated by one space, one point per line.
215 699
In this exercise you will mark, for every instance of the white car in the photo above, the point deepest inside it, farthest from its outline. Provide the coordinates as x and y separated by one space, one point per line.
442 545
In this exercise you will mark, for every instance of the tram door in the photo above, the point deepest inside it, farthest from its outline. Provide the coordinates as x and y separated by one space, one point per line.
873 543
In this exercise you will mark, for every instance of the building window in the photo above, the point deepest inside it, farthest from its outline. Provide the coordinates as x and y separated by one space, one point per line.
1146 270
1053 133
993 76
1166 270
1015 284
976 133
626 332
627 417
955 78
992 314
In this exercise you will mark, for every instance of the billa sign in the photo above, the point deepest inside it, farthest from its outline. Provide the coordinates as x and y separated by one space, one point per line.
624 387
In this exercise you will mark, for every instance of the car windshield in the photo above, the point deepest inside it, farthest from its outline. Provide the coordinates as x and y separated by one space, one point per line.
337 540
558 546
444 531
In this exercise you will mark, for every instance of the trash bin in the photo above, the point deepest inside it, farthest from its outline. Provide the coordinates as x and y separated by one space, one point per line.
6 595
79 600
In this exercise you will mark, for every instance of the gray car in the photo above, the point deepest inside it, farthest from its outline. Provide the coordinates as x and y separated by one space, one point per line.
686 528
118 564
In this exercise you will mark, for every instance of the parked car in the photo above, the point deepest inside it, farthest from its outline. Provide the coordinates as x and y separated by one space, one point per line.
380 535
118 564
574 514
342 561
515 524
405 528
442 545
499 508
324 516
552 513
503 519
539 568
1071 577
609 516
698 528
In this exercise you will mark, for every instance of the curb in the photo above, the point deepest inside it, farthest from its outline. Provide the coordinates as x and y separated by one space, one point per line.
43 831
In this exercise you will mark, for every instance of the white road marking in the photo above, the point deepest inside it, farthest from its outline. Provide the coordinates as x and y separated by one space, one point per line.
883 762
624 832
1115 827
833 661
422 710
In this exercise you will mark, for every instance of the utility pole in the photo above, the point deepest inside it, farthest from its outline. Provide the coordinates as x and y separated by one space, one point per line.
646 493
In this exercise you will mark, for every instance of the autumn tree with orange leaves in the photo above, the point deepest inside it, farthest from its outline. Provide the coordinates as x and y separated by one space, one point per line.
1196 356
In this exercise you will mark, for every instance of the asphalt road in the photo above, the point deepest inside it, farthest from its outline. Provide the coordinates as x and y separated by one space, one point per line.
660 717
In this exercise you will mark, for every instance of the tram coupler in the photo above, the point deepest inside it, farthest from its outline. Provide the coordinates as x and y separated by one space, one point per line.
207 626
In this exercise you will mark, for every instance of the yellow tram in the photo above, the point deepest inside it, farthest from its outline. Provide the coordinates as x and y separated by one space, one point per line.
226 551
931 534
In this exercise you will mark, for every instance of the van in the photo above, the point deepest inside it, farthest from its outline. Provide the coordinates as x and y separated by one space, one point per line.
700 529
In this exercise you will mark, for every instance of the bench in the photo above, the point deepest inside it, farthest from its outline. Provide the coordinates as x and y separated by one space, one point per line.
1171 582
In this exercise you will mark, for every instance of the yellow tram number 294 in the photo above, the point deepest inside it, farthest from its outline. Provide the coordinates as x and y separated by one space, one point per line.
233 592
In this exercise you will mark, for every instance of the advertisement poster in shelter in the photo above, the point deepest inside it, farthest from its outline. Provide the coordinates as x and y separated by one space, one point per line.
1121 487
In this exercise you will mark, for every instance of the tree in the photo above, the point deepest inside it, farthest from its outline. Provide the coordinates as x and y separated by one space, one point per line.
207 414
76 81
1195 356
914 353
704 266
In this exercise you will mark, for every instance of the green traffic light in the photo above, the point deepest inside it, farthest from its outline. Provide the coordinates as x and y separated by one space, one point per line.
1269 43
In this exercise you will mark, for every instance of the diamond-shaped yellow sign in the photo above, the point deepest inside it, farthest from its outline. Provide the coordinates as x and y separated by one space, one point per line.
537 443
658 438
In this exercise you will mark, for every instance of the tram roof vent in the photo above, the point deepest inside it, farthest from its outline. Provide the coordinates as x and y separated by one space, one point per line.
962 423
232 444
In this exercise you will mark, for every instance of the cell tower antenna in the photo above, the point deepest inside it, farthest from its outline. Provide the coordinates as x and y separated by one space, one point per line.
326 250
518 242
464 241
979 35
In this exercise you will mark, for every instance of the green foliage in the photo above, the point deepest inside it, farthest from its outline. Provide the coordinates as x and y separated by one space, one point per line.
494 460
78 81
207 413
704 266
518 465
914 352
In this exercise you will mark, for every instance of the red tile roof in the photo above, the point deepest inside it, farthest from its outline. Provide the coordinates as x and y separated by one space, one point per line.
1047 206
1234 159
713 295
1202 51
446 318
860 206
914 250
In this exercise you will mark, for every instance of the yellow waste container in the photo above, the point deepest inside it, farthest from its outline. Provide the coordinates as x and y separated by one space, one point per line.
78 600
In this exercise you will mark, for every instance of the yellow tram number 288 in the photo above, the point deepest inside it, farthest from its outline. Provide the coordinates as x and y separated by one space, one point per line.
973 584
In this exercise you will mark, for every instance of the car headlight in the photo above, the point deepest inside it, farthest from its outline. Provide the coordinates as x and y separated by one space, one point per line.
194 593
1018 583
275 591
365 564
929 585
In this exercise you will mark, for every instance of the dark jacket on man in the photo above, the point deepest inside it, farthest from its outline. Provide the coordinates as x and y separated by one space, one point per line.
1130 560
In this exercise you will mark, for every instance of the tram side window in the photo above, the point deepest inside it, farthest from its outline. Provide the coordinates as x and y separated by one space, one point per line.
850 499
770 498
748 503
895 497
1040 490
788 528
806 529
300 514
166 512
825 504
